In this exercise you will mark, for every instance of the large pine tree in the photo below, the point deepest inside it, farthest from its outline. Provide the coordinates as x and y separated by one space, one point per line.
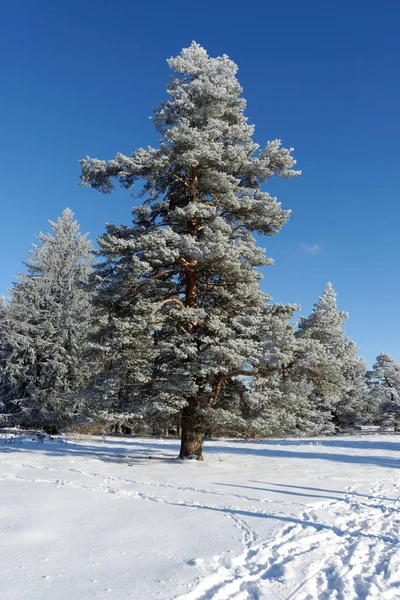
181 285
48 316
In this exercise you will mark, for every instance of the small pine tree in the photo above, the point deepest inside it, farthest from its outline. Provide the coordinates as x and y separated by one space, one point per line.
48 319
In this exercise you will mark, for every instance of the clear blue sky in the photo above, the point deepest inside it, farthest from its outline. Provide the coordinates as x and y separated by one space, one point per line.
82 78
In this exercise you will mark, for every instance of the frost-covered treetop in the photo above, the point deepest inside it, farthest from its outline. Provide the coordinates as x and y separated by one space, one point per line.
387 370
64 255
203 127
325 320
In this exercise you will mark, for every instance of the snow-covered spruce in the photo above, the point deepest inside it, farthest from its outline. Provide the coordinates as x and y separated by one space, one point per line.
331 363
46 326
384 391
318 387
180 289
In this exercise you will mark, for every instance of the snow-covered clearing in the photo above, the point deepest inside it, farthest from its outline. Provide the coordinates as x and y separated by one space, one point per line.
121 518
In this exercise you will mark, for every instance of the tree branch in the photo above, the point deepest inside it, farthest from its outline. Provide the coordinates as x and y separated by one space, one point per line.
166 272
168 301
185 183
223 378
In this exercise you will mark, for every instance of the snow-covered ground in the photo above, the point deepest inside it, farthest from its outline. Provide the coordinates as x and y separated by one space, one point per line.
276 520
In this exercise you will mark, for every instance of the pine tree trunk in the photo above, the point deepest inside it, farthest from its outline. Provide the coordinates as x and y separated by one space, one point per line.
192 434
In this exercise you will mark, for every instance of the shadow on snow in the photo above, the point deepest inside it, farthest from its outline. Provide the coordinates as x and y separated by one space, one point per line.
133 449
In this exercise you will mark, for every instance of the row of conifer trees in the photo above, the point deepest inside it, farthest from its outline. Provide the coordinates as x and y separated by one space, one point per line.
169 326
66 360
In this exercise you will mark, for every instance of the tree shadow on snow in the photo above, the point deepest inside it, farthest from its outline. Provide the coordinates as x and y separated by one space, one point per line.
125 454
292 520
338 442
132 449
364 444
302 494
266 452
315 489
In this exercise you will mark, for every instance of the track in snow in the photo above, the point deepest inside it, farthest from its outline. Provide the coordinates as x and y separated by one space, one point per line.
334 554
344 549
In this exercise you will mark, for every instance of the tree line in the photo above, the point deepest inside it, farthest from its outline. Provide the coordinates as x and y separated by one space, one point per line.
166 324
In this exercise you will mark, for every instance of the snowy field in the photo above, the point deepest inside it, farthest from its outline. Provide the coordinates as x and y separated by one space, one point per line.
277 520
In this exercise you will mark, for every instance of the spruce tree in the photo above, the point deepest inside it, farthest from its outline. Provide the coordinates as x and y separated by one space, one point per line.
384 391
332 363
49 315
183 279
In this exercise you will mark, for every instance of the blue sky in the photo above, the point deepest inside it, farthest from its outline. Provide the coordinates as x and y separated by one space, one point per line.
82 78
